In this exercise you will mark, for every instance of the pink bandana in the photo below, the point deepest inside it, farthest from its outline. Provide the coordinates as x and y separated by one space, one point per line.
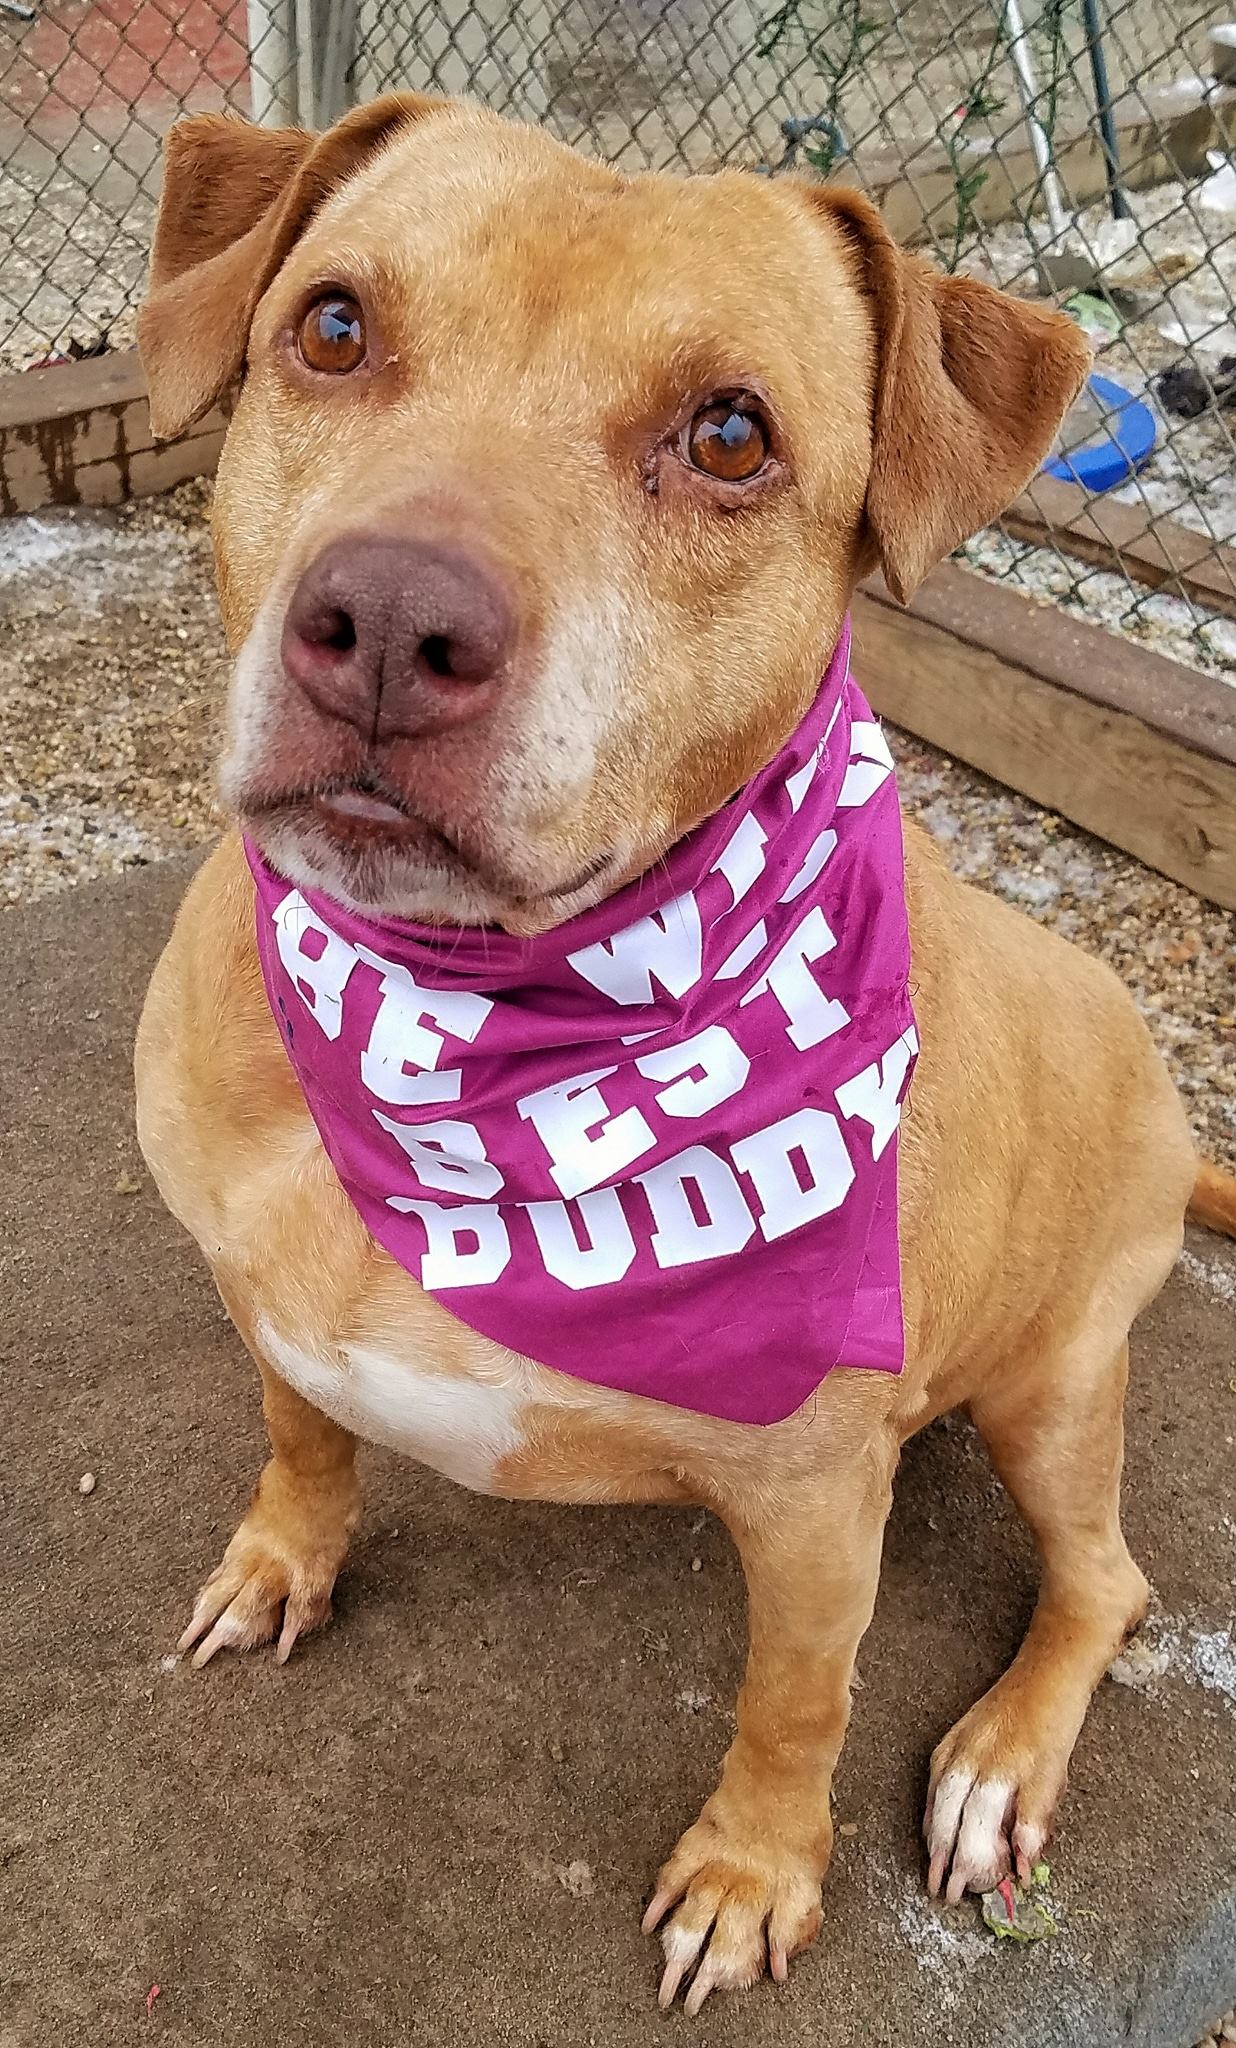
655 1147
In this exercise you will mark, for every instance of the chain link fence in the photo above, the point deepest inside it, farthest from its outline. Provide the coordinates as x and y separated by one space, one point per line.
1073 149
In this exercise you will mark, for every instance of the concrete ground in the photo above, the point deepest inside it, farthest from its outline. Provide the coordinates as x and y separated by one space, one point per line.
439 1822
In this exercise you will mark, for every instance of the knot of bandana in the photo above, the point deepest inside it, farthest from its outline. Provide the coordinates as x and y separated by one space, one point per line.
655 1147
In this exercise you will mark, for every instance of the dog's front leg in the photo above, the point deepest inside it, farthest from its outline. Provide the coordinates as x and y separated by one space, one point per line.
278 1572
744 1882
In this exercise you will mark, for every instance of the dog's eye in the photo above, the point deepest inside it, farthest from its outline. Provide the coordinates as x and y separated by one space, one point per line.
332 335
728 439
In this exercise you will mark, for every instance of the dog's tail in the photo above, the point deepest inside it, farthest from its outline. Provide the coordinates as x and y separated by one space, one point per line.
1213 1201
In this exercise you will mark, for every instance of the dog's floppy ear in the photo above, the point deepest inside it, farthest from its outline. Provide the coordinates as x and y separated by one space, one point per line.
235 198
971 386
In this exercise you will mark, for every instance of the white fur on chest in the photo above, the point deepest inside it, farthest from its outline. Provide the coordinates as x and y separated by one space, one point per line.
461 1427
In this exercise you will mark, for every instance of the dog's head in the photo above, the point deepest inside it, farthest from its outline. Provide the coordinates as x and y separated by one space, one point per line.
547 488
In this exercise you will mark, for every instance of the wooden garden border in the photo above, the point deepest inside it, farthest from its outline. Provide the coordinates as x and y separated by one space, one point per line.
79 434
1152 548
1123 742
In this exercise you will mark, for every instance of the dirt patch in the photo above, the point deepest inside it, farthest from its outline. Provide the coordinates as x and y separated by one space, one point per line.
440 1822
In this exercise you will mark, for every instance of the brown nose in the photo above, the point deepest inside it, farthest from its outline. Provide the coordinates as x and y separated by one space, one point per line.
401 638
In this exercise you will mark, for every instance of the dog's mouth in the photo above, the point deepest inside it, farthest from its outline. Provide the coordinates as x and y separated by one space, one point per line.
365 821
363 810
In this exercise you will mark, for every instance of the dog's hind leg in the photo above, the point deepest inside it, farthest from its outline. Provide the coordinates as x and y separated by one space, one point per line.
1055 1434
278 1571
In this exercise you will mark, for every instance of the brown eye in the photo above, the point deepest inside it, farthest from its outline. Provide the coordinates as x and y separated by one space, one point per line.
332 335
729 440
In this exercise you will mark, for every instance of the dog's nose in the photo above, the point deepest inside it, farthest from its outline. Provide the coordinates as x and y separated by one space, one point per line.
402 638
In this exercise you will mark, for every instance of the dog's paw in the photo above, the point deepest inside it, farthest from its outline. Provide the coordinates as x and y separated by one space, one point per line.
990 1805
738 1908
263 1588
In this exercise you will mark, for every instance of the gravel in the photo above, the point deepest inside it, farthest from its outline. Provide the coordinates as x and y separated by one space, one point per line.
112 674
111 678
1223 2030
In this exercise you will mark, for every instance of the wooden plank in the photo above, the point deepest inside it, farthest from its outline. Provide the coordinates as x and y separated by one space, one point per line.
79 434
1153 549
30 397
1079 658
1039 704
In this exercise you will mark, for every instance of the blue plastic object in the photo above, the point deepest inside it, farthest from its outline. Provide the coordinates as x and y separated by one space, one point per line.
1125 435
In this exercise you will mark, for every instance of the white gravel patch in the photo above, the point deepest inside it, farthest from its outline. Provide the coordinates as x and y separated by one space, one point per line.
48 561
944 1941
1212 1275
1170 1647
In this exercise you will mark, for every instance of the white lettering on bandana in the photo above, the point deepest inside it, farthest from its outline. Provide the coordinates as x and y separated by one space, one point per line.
655 1147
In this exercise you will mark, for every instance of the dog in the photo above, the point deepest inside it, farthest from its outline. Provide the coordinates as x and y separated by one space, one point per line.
543 498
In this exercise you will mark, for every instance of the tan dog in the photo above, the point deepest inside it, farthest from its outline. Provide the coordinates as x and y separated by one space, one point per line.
463 343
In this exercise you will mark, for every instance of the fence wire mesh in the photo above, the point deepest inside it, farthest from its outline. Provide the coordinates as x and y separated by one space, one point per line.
1073 149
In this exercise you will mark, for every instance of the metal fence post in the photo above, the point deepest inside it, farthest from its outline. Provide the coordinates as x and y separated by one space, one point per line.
336 51
272 62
